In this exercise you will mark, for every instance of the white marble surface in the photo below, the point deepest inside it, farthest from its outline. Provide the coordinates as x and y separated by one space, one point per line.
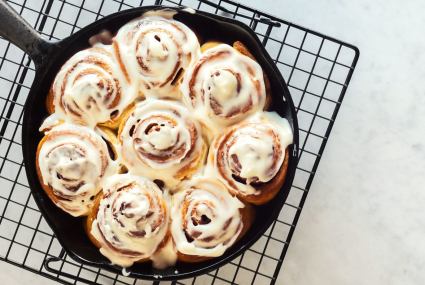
363 222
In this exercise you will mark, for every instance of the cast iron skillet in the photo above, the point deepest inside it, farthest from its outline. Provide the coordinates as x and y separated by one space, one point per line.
49 57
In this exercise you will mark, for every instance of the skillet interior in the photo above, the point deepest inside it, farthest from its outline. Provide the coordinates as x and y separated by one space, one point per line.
69 230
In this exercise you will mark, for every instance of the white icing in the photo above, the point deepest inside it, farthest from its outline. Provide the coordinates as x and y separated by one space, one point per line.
132 217
153 48
253 143
125 273
50 122
224 76
91 86
74 160
165 256
161 141
202 196
189 10
223 87
280 125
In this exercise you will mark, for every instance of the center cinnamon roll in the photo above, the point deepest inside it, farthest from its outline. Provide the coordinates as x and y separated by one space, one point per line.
160 140
72 161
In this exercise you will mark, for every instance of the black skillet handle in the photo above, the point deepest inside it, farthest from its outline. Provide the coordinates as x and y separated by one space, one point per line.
15 29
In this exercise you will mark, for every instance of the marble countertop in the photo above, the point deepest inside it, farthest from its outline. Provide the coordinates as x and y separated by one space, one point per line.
363 222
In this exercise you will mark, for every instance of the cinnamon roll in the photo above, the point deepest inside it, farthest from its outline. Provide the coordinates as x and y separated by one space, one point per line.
224 87
155 49
251 158
71 162
160 140
91 88
130 221
206 219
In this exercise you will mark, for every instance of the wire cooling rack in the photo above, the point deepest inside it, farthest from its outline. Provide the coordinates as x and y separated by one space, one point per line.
316 67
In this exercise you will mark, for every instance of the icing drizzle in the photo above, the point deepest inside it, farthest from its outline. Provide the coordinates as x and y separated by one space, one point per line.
73 161
155 49
132 219
224 87
205 218
251 152
90 88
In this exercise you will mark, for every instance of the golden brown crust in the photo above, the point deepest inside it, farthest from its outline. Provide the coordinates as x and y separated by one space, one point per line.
269 98
192 258
168 238
123 121
240 47
116 122
210 44
49 101
90 219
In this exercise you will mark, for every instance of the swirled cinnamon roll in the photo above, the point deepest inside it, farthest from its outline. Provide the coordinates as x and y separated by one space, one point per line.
155 49
251 157
91 88
160 140
71 163
224 87
130 220
206 219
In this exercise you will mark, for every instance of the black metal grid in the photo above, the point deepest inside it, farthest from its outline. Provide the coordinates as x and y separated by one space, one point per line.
316 67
